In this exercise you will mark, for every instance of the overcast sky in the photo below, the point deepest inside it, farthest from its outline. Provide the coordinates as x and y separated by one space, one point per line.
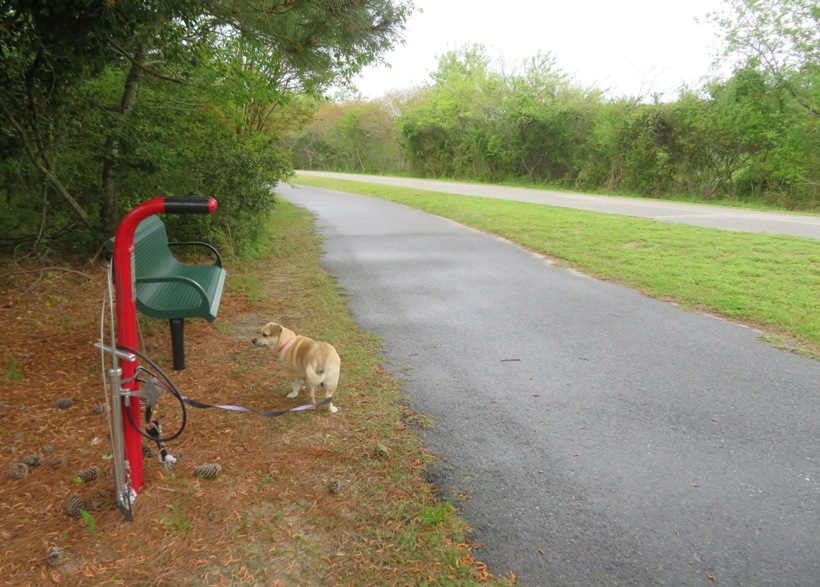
630 47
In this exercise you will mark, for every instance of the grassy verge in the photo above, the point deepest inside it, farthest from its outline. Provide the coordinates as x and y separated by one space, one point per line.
720 202
768 281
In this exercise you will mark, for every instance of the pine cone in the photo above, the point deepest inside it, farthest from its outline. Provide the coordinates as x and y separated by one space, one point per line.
99 409
380 452
148 451
64 403
87 475
18 471
33 460
335 487
56 556
73 505
211 471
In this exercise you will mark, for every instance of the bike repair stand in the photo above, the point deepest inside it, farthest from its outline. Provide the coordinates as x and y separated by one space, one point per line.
126 441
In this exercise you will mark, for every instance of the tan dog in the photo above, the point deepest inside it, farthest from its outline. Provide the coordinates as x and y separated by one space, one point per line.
306 361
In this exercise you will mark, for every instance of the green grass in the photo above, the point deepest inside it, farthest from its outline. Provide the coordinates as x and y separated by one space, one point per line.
178 521
769 281
725 202
248 286
722 202
13 371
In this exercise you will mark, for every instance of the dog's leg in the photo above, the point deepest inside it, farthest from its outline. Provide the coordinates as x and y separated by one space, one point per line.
330 407
327 380
295 386
329 385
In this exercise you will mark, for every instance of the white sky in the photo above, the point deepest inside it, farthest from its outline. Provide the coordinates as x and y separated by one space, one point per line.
629 47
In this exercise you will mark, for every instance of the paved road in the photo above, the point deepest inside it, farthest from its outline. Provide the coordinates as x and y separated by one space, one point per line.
601 437
694 214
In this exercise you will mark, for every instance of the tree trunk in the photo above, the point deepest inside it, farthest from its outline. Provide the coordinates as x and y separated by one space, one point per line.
43 165
109 211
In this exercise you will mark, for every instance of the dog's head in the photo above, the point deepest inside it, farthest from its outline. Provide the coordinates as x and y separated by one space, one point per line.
271 333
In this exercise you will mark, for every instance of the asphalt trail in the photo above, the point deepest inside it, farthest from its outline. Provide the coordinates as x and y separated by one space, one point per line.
597 437
726 218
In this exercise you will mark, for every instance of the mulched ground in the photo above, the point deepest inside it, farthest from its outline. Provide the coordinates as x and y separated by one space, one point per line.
296 503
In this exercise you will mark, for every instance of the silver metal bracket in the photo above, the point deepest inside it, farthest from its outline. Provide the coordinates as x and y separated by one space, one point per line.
125 494
130 357
149 393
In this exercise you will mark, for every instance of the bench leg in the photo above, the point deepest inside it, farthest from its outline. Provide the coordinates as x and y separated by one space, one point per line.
178 342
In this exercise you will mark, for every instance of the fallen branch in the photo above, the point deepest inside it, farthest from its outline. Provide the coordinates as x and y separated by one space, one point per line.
42 269
10 407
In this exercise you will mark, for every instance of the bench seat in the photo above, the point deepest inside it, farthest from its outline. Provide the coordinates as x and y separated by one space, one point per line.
187 291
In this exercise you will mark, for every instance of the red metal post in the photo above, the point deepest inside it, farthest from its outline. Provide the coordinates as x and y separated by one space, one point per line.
127 327
127 313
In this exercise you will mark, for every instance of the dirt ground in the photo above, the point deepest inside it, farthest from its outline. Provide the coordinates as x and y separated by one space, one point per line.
305 499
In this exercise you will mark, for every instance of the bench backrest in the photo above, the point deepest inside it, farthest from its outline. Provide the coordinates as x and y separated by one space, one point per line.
151 239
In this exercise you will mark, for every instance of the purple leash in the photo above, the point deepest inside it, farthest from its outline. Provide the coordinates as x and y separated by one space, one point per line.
196 404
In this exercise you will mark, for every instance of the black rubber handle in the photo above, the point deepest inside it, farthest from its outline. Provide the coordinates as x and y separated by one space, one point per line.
190 205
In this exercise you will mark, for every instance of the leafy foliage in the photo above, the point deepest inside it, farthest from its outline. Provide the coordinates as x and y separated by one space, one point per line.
780 38
752 136
108 103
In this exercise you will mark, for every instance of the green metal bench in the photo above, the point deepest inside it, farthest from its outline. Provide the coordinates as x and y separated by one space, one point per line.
169 289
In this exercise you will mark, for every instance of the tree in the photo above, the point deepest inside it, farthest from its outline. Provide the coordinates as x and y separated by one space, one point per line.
547 119
780 40
445 130
779 37
731 131
250 57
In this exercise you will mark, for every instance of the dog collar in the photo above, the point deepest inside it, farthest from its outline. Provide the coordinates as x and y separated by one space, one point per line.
287 342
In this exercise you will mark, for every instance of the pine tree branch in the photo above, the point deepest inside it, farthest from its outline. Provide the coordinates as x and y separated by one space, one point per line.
137 63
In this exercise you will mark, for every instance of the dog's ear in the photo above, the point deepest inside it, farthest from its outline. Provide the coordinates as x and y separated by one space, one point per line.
272 330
